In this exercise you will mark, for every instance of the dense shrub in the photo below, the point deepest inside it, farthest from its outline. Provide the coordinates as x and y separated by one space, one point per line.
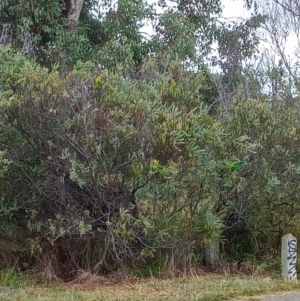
101 170
262 197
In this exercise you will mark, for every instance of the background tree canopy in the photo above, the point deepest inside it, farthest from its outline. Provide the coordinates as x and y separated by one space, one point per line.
124 149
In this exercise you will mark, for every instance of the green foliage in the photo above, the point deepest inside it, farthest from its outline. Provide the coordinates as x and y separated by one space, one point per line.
11 278
237 165
77 152
138 166
114 148
110 32
41 19
261 198
67 48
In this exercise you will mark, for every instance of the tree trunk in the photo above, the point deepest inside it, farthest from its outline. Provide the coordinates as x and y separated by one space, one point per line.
73 8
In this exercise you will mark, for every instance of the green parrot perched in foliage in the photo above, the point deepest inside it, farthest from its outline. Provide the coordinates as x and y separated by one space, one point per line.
236 165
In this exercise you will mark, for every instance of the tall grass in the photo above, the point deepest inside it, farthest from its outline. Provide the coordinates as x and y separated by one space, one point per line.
13 279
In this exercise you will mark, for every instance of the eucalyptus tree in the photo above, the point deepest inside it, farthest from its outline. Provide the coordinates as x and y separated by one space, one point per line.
78 29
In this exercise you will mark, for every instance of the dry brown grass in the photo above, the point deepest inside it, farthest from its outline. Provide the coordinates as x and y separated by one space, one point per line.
201 288
122 286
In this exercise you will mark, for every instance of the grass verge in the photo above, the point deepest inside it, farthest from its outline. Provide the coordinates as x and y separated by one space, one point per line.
202 288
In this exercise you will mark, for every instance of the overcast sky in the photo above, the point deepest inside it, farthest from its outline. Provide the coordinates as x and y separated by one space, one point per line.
234 9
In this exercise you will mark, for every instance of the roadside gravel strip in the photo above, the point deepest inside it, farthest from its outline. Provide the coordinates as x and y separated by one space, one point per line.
287 296
293 296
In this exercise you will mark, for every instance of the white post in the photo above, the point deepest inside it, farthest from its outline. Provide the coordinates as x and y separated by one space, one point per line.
289 257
